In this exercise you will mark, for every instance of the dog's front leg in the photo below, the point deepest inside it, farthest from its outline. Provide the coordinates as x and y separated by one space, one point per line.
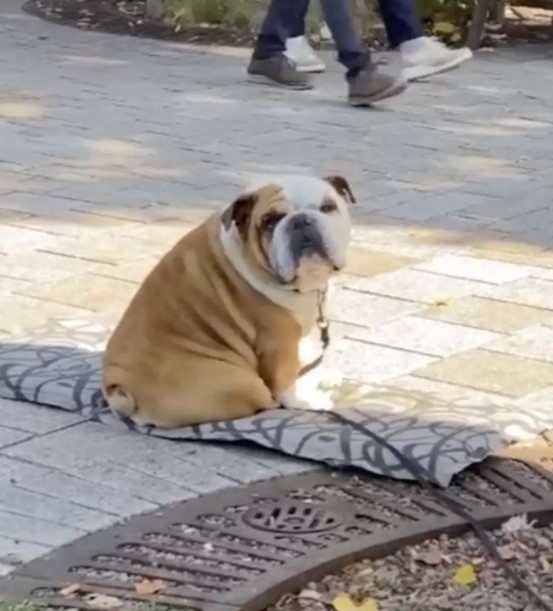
280 363
304 394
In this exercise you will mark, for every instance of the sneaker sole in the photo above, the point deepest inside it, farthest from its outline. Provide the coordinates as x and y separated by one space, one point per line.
315 69
396 88
418 73
261 79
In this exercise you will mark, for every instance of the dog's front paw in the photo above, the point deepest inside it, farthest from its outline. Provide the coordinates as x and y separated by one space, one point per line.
314 400
330 379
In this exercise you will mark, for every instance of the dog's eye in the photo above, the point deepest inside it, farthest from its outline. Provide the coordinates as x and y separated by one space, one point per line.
328 207
271 221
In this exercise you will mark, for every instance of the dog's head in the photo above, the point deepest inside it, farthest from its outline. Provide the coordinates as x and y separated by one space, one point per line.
296 229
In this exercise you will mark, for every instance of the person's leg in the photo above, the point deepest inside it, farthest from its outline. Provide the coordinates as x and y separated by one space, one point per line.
269 61
366 83
299 26
351 53
300 51
421 56
400 20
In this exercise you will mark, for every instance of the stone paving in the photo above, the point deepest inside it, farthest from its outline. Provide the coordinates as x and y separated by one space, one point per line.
111 148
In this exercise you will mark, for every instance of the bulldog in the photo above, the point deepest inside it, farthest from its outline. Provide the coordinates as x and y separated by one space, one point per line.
232 320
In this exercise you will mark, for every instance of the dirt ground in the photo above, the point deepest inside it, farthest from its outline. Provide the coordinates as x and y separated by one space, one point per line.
444 574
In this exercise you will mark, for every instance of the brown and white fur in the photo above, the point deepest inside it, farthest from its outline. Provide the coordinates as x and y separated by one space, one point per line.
223 325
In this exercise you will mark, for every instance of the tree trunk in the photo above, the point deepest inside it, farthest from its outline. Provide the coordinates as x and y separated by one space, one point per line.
155 9
480 14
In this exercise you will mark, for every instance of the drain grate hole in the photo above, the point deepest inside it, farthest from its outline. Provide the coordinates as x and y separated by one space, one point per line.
336 492
332 538
236 508
412 493
304 496
80 598
356 530
468 485
297 542
372 523
110 575
362 503
119 575
213 519
526 472
263 500
156 556
218 537
292 517
410 496
372 489
208 548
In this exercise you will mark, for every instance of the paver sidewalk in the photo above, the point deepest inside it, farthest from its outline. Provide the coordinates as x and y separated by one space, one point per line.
111 148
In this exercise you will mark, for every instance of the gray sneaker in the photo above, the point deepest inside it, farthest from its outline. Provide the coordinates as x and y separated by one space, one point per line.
370 85
279 71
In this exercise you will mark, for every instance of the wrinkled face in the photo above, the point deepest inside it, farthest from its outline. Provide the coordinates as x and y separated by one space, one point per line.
296 229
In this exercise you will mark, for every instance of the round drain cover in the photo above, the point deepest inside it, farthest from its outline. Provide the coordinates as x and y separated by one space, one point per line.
292 518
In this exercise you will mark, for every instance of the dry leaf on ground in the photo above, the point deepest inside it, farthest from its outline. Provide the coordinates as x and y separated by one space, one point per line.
147 586
506 552
307 594
432 557
517 523
464 575
343 602
70 589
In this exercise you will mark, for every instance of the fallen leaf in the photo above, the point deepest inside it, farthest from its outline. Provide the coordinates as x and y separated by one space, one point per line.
506 552
432 558
343 602
464 575
101 601
517 523
147 586
70 589
444 27
307 594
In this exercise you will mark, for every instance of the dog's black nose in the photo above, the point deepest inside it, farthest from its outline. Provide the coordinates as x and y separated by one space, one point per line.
301 221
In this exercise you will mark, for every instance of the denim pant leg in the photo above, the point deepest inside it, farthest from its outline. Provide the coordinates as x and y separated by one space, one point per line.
351 53
299 27
401 21
280 23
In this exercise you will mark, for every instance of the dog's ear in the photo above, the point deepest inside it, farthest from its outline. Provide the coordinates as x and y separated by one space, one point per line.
239 212
342 187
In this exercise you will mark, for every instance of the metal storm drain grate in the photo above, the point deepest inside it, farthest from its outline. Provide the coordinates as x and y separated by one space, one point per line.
243 548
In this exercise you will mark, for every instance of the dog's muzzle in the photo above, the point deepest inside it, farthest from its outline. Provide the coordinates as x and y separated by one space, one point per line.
305 238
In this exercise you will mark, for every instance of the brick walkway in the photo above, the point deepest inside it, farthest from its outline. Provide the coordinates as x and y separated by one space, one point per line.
111 148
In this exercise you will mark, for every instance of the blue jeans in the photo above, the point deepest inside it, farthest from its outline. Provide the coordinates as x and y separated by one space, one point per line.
286 19
400 20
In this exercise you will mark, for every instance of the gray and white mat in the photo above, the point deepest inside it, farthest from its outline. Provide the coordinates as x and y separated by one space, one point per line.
59 367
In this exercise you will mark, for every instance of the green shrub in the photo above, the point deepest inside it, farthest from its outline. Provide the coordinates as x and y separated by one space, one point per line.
449 17
232 13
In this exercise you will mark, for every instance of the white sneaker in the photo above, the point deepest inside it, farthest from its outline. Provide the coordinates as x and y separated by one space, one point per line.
300 52
424 56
